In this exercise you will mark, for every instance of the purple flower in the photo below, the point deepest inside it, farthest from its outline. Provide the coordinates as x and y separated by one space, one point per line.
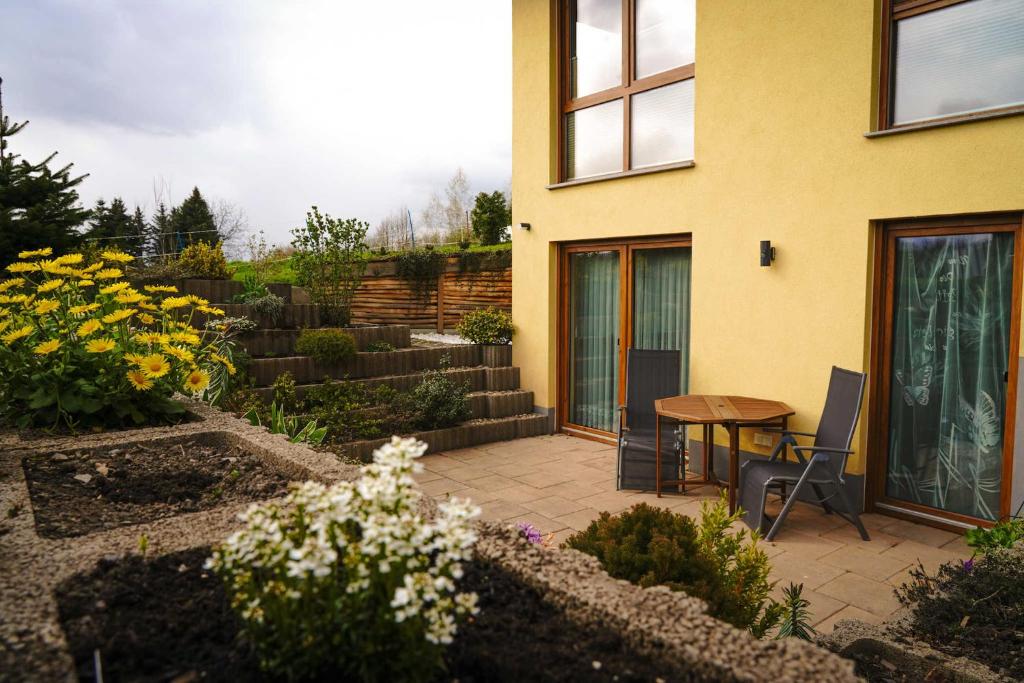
529 532
969 565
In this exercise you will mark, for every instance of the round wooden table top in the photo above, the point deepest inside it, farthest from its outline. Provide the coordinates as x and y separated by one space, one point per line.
712 409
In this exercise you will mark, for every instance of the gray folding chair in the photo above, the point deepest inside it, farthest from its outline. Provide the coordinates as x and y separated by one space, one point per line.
650 375
825 469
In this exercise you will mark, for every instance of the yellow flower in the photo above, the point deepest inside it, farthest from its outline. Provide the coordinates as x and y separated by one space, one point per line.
86 283
172 302
4 324
170 289
196 381
197 300
118 315
129 297
35 253
100 345
186 338
55 267
139 380
134 358
148 306
83 309
88 327
46 306
69 259
49 286
210 310
118 256
13 282
22 267
151 338
146 319
17 334
93 268
155 365
46 347
225 362
109 274
184 355
114 288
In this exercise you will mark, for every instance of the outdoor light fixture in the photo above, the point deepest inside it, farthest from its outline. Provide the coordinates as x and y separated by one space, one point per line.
767 253
523 226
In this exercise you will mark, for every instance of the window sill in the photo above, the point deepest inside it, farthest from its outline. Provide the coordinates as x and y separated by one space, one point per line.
948 121
622 174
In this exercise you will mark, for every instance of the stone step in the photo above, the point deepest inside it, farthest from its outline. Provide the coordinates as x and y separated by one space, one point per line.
307 370
224 291
472 433
478 378
293 316
260 343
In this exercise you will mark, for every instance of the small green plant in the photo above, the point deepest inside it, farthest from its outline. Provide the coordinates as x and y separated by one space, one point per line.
380 346
143 544
650 546
292 426
796 619
487 326
201 260
285 394
440 402
329 262
1004 534
351 581
327 345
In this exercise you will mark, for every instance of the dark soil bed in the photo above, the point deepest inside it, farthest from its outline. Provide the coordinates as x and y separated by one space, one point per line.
168 619
81 492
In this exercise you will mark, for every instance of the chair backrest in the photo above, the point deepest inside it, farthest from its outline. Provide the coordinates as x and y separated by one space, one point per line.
842 410
650 375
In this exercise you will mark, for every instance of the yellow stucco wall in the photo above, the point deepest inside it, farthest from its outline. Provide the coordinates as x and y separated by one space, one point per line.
784 94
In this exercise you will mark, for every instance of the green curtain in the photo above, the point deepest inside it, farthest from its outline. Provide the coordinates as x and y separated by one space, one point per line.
951 341
594 362
661 302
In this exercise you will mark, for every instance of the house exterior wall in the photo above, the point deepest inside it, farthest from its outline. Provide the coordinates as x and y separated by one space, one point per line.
785 91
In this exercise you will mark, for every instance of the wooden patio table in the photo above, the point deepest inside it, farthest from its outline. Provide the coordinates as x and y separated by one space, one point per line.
732 412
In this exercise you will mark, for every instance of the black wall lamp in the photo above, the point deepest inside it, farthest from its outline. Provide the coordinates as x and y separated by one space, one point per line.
767 253
523 226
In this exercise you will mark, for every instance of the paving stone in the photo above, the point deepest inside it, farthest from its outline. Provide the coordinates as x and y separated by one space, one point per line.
580 519
493 482
827 625
804 545
880 541
441 486
868 564
521 493
467 473
788 568
919 533
929 556
873 596
553 506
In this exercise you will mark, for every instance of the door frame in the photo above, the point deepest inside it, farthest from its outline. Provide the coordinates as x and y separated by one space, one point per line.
626 248
879 396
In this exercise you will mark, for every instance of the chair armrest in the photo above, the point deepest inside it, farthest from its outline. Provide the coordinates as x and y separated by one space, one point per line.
823 449
780 430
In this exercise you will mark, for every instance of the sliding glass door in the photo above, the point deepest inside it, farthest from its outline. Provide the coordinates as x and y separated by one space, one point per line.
949 349
616 296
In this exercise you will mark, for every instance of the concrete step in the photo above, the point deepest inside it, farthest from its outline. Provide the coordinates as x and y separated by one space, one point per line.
267 343
224 291
472 433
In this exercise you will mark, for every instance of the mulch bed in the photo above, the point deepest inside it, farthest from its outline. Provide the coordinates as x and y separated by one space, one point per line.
167 619
86 491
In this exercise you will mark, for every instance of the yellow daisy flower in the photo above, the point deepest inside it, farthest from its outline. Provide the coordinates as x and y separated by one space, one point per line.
196 381
170 289
55 267
225 362
86 283
88 327
17 334
148 306
13 282
184 355
173 302
210 310
46 306
118 256
139 380
4 324
50 285
155 365
22 267
93 268
118 315
114 288
151 338
134 358
36 253
46 347
69 259
100 345
146 319
83 309
109 274
186 338
129 297
196 300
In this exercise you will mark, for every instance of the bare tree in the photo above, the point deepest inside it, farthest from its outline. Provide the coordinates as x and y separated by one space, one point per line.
447 219
232 224
392 231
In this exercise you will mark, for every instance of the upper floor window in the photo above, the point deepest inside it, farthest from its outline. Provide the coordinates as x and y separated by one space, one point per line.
950 59
627 74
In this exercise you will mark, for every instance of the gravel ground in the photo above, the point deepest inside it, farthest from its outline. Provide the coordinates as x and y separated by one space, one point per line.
439 338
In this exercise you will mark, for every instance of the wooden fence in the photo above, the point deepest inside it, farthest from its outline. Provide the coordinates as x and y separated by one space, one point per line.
386 299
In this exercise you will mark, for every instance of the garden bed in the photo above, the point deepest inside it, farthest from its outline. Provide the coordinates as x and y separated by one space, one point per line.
77 492
164 618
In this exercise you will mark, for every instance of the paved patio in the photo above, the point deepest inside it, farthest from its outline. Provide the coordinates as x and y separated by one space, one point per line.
560 484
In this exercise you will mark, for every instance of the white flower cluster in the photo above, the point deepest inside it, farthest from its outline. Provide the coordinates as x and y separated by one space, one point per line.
331 553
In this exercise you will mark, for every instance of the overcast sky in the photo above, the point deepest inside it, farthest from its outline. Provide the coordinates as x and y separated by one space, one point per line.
358 107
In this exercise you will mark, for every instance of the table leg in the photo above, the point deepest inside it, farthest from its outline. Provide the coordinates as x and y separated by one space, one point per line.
657 455
709 453
734 464
784 453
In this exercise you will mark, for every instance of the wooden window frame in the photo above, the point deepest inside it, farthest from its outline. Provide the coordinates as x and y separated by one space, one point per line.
880 370
625 91
626 249
893 11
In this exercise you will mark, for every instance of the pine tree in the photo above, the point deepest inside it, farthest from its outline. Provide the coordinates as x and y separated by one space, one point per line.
193 221
140 237
38 207
491 216
111 226
164 240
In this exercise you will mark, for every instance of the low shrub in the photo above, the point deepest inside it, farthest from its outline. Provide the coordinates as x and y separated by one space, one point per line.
380 346
201 260
651 546
439 401
351 581
285 394
1004 534
327 345
487 326
82 347
353 412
